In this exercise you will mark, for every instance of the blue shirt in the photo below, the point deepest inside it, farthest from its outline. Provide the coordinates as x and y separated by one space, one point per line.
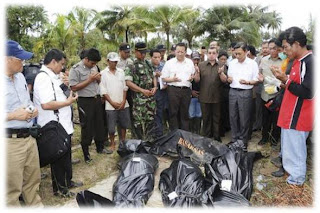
17 96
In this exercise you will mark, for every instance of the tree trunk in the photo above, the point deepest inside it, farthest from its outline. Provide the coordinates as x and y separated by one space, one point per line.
127 35
168 43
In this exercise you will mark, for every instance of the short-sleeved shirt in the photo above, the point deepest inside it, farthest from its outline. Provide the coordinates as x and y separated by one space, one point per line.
113 85
210 83
17 96
44 93
247 70
79 73
265 64
122 64
182 70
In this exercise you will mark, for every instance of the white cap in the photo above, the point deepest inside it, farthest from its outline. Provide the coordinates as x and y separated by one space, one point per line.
113 56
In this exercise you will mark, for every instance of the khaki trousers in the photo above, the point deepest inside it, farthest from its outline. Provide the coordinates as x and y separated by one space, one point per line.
23 171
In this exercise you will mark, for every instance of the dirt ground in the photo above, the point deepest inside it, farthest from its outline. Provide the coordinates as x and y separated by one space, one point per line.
101 173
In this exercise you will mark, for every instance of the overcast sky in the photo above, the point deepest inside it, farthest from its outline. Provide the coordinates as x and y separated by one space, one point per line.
296 13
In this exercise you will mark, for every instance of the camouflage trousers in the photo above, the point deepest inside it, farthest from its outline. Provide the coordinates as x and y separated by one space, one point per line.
143 112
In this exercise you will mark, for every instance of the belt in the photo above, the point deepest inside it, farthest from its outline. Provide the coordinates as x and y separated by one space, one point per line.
96 96
17 133
238 89
181 87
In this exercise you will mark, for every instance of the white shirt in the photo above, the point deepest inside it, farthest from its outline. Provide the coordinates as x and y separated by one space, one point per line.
113 85
247 70
183 70
43 93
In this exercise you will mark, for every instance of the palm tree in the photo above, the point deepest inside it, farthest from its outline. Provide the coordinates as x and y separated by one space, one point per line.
85 19
64 31
167 18
190 26
239 23
117 21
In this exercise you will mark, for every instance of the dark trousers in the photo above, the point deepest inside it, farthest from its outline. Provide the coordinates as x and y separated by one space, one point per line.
224 117
258 115
269 125
211 119
61 172
92 125
240 103
179 101
161 104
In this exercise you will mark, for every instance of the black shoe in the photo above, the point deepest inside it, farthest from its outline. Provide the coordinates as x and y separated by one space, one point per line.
277 162
105 151
75 161
263 141
278 173
75 184
87 159
218 139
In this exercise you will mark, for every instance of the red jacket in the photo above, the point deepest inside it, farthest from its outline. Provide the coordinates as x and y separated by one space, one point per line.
297 108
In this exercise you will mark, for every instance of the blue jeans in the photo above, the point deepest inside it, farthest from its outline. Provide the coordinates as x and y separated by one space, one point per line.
194 108
294 154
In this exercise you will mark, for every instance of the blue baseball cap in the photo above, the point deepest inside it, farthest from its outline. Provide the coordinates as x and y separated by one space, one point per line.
14 49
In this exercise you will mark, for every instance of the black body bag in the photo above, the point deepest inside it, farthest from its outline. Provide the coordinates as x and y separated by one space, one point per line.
53 143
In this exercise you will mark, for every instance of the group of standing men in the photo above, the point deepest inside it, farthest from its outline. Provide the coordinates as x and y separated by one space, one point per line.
156 87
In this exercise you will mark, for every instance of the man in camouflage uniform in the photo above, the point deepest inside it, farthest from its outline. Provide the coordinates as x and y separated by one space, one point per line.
140 79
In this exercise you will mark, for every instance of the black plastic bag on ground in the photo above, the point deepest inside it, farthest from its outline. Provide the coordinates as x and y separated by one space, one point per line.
182 184
89 199
133 145
198 148
234 167
216 197
135 182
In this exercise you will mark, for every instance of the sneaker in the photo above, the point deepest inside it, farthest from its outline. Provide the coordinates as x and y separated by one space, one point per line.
277 162
279 173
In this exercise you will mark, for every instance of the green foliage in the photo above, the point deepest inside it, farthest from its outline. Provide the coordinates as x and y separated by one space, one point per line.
84 28
24 21
239 23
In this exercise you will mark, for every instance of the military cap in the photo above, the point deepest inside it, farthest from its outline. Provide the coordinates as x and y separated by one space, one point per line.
161 47
142 47
125 47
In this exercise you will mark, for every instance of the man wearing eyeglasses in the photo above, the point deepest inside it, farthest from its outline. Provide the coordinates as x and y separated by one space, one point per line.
23 167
